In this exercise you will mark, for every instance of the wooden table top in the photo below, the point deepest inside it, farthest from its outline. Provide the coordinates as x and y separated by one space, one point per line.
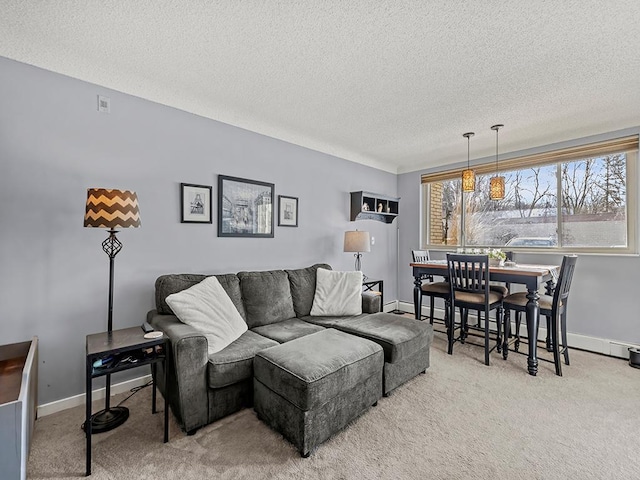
520 269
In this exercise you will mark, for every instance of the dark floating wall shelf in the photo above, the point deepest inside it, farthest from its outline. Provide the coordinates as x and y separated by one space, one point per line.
373 206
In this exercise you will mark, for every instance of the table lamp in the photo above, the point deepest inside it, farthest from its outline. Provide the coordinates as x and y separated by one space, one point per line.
110 209
357 241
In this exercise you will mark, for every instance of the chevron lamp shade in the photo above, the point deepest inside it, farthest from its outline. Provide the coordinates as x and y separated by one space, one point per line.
111 208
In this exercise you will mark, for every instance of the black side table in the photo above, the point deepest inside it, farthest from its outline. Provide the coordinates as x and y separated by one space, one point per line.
119 345
368 286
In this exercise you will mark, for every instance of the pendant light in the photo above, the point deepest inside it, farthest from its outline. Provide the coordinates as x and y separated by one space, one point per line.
496 186
468 175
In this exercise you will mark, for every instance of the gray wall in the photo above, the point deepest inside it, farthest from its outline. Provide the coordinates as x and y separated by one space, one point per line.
54 276
604 292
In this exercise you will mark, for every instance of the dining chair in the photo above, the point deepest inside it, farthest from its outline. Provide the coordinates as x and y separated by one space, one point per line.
499 287
470 290
430 289
554 307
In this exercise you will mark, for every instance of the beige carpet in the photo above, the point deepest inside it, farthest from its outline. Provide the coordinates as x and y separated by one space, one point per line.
462 420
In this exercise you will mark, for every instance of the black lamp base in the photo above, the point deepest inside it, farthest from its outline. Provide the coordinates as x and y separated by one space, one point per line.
106 420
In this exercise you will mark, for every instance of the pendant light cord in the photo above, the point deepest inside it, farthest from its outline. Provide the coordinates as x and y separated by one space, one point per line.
496 128
497 152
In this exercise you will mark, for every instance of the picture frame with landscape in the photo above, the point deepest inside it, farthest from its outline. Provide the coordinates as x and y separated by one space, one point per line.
196 203
245 207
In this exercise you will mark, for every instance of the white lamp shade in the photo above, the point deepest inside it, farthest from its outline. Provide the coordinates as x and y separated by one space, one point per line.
357 241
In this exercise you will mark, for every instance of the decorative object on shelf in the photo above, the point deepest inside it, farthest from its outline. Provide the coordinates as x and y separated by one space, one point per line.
111 209
245 208
468 175
357 241
196 203
496 186
373 206
287 211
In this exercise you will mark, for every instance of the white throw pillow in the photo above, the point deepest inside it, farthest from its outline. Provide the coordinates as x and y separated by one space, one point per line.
207 308
337 293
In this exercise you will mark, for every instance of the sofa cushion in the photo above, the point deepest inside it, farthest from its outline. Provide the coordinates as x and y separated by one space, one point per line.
399 336
330 322
337 293
303 287
207 308
267 297
168 284
235 363
310 371
287 330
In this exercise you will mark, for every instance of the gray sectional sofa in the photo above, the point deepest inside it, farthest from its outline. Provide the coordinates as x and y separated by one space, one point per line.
276 306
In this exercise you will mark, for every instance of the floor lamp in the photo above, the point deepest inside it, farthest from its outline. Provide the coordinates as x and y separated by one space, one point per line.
110 209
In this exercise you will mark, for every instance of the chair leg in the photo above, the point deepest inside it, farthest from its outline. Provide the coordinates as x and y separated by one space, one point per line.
464 324
486 337
549 336
563 327
431 303
506 333
479 323
554 341
450 321
516 345
499 329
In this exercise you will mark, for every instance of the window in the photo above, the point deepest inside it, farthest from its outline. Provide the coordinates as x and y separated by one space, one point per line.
445 210
577 199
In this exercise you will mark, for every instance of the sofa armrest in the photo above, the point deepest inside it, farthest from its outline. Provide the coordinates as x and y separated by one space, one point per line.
371 302
187 359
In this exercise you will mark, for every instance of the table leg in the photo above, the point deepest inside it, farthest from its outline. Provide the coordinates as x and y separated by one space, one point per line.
417 297
166 398
381 288
87 421
153 387
533 312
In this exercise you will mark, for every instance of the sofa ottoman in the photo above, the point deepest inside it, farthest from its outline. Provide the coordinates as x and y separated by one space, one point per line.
312 387
406 343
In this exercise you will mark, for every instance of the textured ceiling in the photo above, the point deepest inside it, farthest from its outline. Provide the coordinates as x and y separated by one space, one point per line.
388 83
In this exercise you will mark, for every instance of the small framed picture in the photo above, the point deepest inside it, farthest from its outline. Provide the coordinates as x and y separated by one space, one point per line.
287 211
245 208
196 203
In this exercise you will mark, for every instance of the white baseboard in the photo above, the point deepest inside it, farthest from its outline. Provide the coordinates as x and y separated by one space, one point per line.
391 306
116 388
603 346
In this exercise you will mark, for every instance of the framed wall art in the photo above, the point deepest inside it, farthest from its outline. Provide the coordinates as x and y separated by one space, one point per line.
287 211
196 203
245 208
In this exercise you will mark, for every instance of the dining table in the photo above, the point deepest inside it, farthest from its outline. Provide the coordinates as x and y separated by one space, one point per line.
533 277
